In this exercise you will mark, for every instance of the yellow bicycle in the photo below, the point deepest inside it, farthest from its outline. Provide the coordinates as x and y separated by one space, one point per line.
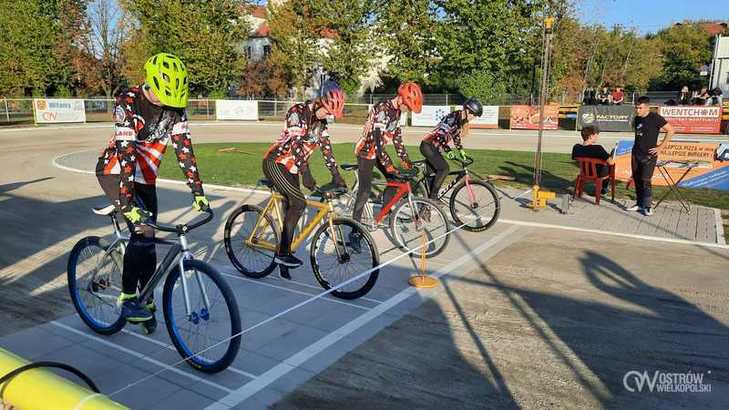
252 234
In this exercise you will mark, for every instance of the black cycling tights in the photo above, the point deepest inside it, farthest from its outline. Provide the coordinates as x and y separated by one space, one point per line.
140 259
294 203
364 176
436 163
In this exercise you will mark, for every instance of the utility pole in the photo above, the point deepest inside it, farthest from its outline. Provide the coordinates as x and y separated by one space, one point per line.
540 197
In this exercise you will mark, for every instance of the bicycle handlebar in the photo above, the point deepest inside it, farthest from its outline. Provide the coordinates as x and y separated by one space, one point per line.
182 228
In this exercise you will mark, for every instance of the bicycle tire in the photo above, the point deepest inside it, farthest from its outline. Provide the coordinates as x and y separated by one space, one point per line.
459 220
318 242
191 354
245 267
439 228
115 322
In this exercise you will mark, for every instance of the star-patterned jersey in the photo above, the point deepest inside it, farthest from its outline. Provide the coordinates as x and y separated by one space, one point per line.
449 128
384 119
302 134
141 133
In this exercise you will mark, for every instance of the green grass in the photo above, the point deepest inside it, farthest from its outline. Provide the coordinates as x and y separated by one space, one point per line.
242 167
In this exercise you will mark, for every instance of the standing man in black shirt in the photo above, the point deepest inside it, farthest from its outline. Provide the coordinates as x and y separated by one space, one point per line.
591 149
647 126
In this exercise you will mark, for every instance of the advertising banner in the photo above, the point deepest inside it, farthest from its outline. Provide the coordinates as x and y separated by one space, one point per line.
48 111
430 116
526 117
236 110
606 117
709 163
489 119
693 120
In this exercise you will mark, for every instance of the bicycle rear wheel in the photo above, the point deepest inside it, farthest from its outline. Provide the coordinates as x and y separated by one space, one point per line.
208 335
251 254
424 217
475 206
334 260
95 282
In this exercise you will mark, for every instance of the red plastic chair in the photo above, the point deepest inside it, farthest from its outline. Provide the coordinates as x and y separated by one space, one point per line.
588 173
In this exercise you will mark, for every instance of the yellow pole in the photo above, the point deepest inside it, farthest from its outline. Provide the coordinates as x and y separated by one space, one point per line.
39 389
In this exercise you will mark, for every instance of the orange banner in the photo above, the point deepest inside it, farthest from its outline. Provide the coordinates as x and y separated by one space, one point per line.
526 117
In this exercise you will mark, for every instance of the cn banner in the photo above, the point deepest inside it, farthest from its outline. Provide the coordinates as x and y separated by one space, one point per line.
693 120
526 117
606 117
489 119
430 116
236 110
48 111
709 162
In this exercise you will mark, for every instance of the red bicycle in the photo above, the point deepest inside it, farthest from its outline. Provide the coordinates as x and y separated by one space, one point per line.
414 222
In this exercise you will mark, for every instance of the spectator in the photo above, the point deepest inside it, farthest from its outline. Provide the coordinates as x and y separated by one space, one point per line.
603 97
684 97
618 96
590 149
716 96
588 96
701 97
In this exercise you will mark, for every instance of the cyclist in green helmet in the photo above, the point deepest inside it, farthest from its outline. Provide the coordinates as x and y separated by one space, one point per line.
146 118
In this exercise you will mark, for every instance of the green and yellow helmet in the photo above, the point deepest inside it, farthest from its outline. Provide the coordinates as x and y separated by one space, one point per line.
166 76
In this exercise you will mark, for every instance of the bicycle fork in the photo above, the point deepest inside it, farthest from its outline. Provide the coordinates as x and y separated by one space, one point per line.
205 311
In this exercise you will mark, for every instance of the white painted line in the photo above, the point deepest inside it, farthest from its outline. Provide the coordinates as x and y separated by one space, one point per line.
82 403
262 283
140 356
306 285
610 233
719 227
317 347
171 347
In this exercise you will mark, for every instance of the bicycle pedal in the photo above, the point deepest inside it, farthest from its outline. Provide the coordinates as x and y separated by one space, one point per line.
149 326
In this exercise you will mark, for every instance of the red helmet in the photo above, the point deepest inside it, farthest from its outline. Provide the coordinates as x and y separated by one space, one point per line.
332 98
411 95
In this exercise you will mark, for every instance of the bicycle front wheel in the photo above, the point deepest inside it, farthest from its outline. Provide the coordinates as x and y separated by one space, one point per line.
475 205
419 225
250 240
202 316
335 260
95 282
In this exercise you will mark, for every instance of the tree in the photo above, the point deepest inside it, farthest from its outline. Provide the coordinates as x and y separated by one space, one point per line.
206 35
345 30
106 31
38 48
261 79
294 45
685 48
406 27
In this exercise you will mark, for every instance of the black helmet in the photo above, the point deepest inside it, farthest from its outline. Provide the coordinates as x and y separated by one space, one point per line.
474 106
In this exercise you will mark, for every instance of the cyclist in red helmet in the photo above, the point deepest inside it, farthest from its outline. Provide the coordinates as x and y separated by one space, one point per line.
288 157
383 126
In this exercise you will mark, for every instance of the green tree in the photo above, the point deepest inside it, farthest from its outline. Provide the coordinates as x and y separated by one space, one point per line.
407 27
294 41
685 49
482 85
206 35
345 28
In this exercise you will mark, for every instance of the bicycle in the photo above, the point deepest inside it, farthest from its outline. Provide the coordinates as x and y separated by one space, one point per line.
196 323
410 216
251 239
468 199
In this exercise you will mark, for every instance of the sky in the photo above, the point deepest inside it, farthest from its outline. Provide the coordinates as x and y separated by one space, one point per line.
649 16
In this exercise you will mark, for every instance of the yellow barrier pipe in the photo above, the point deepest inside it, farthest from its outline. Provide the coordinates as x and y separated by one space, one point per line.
39 389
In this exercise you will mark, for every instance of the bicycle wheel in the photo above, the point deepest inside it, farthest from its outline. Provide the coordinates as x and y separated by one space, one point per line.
477 208
251 254
208 336
335 261
411 222
95 282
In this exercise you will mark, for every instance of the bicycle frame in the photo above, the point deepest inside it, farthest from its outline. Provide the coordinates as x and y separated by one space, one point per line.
274 206
403 188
